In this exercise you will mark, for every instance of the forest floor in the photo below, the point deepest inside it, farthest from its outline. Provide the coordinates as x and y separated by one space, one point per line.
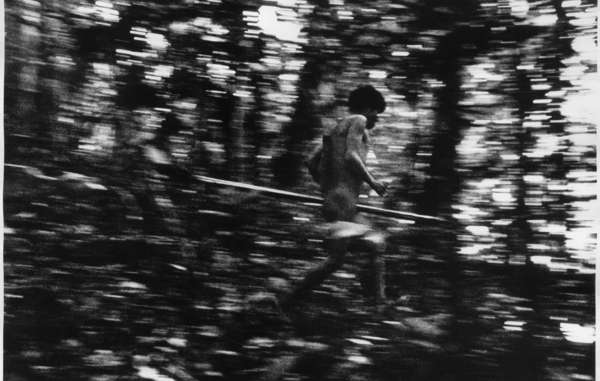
89 296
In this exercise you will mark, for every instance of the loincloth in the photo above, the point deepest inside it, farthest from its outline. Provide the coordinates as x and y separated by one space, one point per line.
358 235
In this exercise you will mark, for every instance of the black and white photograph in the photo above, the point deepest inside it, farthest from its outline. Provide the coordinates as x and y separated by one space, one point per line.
300 190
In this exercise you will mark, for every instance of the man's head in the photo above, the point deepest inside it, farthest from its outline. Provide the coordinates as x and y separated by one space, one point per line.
367 101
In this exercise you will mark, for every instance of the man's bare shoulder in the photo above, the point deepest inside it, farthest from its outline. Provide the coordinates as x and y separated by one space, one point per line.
357 124
354 121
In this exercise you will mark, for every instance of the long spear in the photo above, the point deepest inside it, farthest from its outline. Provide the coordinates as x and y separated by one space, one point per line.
314 199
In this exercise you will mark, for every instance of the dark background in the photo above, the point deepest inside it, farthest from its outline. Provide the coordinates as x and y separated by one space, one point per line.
121 267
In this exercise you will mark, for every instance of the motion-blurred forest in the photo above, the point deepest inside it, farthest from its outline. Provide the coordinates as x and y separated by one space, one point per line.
121 265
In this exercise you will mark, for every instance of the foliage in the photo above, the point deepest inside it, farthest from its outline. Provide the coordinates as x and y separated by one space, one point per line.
120 265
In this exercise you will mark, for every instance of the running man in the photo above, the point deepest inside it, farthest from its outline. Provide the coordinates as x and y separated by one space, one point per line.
339 166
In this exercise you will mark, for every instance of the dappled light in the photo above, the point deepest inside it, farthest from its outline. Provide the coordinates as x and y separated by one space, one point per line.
158 206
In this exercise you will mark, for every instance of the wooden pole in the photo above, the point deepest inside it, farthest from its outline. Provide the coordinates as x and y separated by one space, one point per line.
314 199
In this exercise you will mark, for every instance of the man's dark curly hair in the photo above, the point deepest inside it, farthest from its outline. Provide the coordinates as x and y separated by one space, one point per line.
366 96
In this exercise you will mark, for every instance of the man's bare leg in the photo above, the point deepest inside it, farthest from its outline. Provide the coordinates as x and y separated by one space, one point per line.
336 249
379 268
374 243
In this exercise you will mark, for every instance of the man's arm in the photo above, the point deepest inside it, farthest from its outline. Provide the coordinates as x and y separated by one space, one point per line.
356 132
313 164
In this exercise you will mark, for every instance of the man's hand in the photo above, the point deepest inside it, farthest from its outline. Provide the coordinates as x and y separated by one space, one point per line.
378 187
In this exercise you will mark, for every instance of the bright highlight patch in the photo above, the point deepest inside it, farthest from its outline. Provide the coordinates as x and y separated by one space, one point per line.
577 333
